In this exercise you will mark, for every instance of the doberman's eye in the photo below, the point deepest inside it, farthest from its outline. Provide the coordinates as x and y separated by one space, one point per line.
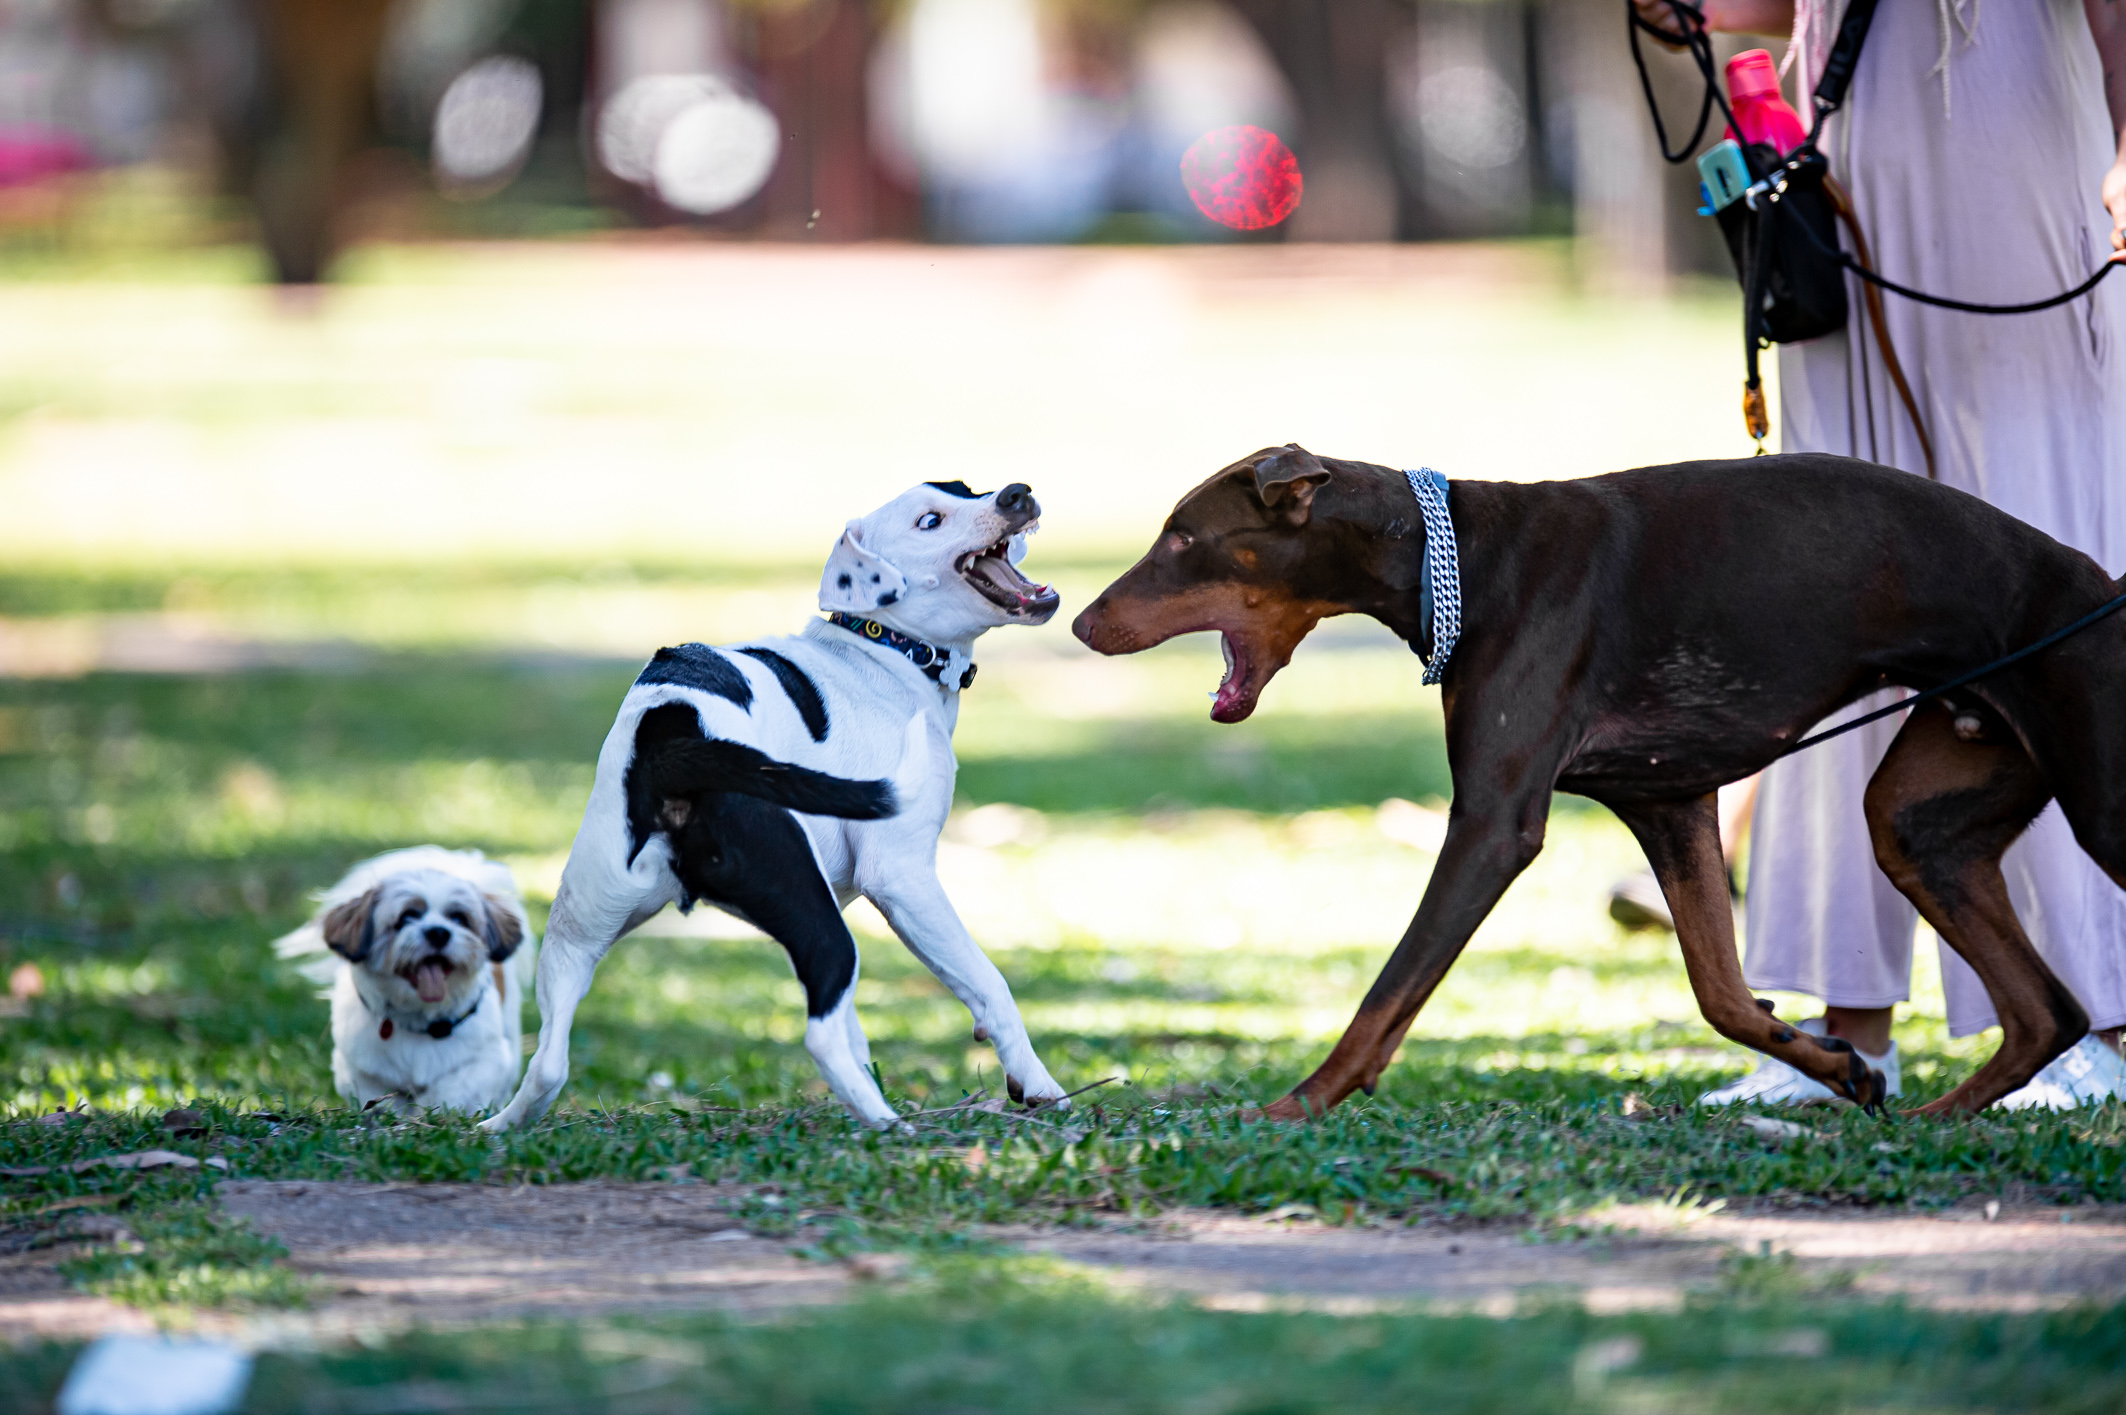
1178 541
929 521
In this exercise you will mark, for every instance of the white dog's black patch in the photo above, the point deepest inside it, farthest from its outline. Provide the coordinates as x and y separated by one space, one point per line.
804 693
751 856
675 761
699 666
957 488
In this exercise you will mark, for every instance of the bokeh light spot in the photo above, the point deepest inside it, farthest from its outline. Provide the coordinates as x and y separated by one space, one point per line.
716 153
485 124
1243 177
696 141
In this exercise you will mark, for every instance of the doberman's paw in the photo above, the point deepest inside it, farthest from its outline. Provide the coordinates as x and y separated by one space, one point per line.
1292 1107
1865 1086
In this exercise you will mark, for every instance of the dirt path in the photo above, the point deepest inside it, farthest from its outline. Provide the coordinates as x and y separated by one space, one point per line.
2019 1261
390 1255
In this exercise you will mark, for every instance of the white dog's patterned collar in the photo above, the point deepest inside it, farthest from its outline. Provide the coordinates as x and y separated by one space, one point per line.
933 660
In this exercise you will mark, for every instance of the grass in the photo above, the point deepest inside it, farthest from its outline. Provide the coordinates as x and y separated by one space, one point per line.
159 831
1189 911
1024 1342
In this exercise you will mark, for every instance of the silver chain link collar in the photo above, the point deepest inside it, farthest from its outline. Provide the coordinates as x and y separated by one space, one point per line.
1442 589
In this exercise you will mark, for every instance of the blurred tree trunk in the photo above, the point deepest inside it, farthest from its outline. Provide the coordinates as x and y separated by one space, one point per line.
814 61
1334 55
318 110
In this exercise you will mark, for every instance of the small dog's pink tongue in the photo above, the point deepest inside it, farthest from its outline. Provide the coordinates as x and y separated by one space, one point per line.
428 980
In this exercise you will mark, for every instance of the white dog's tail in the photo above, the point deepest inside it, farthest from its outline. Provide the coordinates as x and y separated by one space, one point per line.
305 948
692 767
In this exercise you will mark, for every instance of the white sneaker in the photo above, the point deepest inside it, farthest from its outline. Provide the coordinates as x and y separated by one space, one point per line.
2087 1073
1776 1083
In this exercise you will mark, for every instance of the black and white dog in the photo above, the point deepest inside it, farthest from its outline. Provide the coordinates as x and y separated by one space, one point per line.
779 779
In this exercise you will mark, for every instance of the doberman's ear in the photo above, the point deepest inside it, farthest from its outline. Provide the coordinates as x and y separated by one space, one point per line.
1287 480
349 928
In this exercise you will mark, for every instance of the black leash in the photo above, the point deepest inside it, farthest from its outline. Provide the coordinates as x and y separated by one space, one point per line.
1943 301
1690 33
1973 676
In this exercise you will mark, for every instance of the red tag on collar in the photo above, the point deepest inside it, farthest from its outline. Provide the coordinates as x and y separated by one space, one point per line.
385 1030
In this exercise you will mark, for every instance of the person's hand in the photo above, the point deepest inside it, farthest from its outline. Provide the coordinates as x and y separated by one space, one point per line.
1662 16
2115 201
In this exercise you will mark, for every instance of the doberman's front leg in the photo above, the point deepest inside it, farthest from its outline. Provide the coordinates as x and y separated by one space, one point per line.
1682 843
1483 853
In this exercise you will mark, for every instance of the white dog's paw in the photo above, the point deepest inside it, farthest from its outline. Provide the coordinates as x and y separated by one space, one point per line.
1040 1090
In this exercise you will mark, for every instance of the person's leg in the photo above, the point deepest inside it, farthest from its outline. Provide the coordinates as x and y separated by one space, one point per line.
1865 1027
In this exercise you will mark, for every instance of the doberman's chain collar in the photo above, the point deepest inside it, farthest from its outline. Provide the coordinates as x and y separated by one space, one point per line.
1440 593
928 657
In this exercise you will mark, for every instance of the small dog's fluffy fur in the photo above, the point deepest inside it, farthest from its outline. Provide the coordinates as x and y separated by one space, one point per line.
426 950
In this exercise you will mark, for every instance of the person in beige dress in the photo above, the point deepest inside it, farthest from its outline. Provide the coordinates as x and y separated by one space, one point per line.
1985 163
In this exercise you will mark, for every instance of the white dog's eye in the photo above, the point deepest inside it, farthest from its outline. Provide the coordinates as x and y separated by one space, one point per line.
460 918
406 918
929 521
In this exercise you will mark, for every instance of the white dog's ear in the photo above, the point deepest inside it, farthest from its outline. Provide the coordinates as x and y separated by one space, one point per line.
350 929
857 581
504 932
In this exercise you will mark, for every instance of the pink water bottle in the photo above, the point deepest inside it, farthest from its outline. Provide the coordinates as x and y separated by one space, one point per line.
1761 110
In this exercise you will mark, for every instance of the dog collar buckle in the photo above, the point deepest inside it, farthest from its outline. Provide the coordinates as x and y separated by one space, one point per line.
933 660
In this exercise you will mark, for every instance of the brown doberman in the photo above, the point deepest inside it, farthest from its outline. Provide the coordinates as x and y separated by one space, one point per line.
1642 638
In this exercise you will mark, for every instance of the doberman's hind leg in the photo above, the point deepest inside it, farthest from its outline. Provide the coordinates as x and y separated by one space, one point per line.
1942 809
1682 842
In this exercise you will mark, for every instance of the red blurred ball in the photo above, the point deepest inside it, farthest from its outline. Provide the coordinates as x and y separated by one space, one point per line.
1243 177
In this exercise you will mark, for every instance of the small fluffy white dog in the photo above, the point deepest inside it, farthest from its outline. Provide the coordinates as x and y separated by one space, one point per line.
780 779
426 952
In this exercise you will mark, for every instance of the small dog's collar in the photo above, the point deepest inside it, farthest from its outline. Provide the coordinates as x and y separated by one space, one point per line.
933 660
1439 594
438 1028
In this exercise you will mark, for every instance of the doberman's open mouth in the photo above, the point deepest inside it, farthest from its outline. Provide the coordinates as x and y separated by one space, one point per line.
1237 691
997 580
430 978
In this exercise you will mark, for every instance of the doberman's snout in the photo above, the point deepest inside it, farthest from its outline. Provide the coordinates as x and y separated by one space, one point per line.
1016 501
1089 622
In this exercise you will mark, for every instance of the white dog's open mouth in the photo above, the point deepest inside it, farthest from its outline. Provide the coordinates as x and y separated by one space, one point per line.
430 978
997 580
